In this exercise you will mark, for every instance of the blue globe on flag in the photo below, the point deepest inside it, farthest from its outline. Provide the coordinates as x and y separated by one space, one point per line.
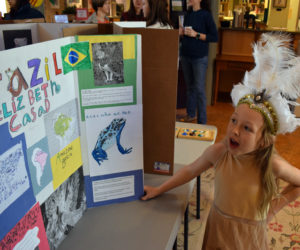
76 56
73 57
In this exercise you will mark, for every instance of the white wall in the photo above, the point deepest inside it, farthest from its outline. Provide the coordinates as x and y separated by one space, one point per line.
293 15
278 18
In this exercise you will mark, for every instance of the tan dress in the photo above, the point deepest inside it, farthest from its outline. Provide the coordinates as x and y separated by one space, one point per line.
234 222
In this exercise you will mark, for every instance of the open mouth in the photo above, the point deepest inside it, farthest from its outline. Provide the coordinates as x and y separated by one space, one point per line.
233 143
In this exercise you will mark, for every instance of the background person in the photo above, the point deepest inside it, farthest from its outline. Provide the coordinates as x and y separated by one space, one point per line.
200 29
135 12
156 14
21 9
102 10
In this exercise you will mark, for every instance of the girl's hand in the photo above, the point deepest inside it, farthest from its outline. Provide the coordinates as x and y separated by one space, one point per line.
150 192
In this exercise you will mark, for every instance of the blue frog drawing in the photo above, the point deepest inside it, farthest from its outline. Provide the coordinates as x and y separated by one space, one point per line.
107 138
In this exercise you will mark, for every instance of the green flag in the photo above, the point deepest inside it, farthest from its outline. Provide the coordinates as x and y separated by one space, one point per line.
75 56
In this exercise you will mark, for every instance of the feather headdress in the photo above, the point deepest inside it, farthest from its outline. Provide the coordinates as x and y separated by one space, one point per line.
274 84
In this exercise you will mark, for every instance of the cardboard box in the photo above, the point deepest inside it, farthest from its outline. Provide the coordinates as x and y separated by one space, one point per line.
159 74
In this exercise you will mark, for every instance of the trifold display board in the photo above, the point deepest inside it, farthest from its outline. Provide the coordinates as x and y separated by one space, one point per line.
65 104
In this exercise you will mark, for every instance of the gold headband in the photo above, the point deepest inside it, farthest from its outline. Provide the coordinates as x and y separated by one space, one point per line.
264 107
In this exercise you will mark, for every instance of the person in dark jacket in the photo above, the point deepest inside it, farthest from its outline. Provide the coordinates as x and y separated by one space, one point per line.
198 31
21 9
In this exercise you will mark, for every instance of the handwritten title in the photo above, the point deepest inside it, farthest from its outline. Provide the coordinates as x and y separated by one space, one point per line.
37 94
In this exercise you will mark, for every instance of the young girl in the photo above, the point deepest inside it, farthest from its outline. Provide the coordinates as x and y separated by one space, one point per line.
135 12
246 164
156 14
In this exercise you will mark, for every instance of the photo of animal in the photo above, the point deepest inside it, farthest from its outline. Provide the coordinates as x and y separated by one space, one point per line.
108 65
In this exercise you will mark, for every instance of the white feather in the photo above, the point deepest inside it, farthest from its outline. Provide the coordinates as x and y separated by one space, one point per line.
277 70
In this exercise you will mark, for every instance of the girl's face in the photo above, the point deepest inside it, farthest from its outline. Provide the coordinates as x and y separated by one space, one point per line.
138 5
146 8
244 131
106 7
12 3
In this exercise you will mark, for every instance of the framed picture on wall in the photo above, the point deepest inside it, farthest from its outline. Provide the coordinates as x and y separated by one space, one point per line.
279 3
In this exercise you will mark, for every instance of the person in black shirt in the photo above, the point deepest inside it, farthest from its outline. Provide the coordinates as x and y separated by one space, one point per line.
21 9
198 31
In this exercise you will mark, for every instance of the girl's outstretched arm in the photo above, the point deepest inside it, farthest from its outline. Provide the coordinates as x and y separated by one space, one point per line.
285 171
188 172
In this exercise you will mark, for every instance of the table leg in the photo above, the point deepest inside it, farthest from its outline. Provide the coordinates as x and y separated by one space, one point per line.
198 197
175 244
186 228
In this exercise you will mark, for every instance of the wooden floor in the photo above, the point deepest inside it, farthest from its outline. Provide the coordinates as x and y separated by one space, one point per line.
288 145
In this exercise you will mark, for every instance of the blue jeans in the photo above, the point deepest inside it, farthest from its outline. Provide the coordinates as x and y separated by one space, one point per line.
194 72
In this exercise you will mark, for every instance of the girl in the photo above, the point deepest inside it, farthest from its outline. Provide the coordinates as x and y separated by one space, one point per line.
246 165
135 12
156 14
102 10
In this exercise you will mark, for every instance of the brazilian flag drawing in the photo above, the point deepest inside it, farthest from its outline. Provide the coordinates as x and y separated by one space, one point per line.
75 56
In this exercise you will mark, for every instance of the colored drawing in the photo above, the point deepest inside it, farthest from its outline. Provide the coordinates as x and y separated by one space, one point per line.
39 165
14 180
16 194
108 63
62 127
108 137
66 162
114 139
62 210
28 233
62 124
75 56
39 159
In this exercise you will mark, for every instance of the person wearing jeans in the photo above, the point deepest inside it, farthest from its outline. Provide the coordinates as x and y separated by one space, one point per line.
194 76
198 31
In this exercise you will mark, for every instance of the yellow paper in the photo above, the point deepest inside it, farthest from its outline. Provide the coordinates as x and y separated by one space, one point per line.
66 162
128 43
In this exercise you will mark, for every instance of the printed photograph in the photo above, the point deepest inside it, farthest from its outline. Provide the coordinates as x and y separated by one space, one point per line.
63 209
16 38
108 65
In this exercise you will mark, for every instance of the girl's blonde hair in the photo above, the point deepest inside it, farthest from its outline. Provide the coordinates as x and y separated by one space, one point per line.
264 156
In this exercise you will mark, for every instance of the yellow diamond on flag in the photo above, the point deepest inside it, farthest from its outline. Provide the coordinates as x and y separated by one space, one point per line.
74 57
